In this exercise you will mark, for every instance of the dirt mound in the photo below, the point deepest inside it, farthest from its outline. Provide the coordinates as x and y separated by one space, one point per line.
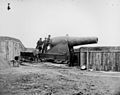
3 63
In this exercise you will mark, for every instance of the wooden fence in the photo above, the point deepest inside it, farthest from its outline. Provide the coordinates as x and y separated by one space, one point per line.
99 60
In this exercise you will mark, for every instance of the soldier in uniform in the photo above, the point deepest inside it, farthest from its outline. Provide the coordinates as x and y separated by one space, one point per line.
44 46
39 45
48 39
71 54
46 43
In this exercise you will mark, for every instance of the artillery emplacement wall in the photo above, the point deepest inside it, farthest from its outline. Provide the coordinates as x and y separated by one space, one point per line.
99 58
10 47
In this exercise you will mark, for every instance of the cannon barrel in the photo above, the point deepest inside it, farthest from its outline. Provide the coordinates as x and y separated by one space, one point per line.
73 41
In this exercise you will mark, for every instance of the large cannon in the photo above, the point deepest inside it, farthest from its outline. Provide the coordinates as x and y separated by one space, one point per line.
64 46
60 49
60 45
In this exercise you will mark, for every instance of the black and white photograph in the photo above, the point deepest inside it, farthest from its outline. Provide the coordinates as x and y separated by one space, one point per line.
59 47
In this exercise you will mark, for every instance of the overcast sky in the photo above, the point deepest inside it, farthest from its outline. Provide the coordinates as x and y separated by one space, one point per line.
28 20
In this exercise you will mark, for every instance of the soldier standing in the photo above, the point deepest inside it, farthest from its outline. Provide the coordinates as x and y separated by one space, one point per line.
48 41
39 45
71 54
46 44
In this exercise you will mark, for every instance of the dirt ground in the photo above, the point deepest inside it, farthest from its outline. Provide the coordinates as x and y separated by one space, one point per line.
52 79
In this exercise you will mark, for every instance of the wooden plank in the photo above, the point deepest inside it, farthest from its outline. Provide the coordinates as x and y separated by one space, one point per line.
90 63
107 62
118 59
83 58
79 58
113 62
104 61
98 61
94 60
116 62
87 59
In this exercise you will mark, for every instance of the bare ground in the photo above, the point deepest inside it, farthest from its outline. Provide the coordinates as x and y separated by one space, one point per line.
48 79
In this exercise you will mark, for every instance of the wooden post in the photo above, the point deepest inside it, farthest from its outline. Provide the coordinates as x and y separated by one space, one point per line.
79 58
87 60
